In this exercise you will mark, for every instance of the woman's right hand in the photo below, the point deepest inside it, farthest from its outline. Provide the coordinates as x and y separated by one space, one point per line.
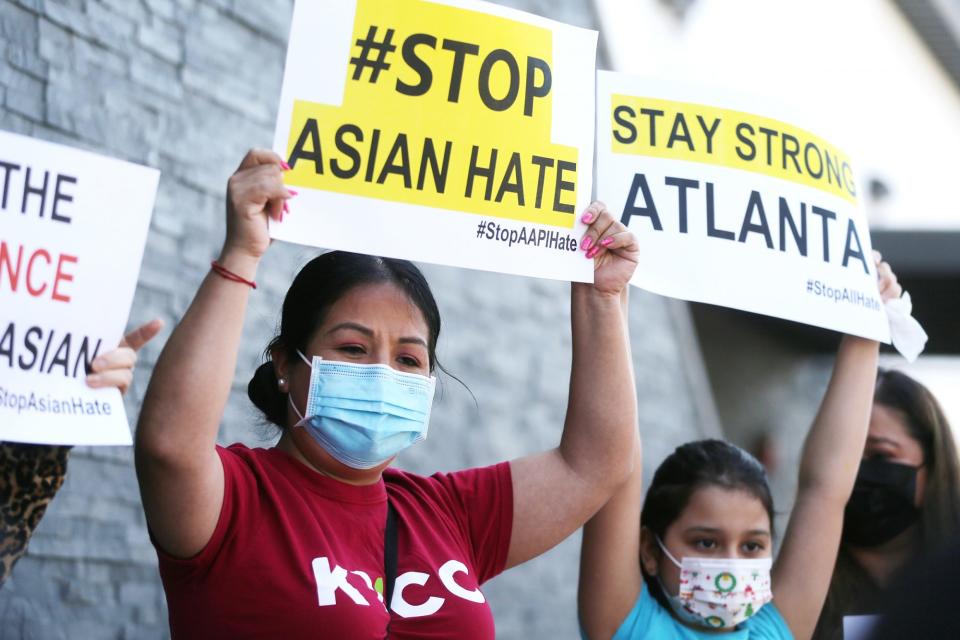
254 191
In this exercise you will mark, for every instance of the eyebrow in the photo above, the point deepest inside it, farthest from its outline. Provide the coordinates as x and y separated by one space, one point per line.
352 325
367 331
714 530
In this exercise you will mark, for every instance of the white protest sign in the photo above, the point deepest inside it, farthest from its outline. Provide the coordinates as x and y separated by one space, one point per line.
734 204
72 229
457 132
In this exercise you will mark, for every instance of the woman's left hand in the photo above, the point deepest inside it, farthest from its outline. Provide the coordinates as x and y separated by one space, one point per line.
115 368
611 246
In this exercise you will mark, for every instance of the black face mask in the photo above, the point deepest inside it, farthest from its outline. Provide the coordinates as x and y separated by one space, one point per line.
881 506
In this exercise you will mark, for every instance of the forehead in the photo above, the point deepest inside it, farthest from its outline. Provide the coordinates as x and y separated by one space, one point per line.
888 426
383 307
733 511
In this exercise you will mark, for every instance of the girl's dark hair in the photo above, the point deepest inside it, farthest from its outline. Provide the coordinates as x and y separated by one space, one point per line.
700 464
926 423
318 286
693 466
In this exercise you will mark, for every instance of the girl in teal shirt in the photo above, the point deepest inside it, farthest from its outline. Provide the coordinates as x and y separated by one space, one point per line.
697 561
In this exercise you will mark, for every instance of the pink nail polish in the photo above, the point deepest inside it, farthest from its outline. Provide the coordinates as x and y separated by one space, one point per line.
285 166
593 252
586 243
606 242
286 208
587 218
292 192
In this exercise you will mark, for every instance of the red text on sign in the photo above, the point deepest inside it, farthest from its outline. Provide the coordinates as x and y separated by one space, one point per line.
37 271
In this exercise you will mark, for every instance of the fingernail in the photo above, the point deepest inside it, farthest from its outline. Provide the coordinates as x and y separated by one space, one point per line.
587 218
93 379
593 252
97 364
586 243
286 208
606 241
292 192
285 166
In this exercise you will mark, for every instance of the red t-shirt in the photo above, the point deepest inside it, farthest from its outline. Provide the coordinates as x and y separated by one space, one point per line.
298 555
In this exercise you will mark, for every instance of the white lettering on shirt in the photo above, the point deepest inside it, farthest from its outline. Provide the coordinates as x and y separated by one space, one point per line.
446 577
406 610
329 581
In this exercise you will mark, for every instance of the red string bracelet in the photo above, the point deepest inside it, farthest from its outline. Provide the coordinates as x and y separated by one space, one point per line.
223 272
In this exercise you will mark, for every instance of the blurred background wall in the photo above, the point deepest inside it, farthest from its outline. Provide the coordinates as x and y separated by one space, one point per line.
188 85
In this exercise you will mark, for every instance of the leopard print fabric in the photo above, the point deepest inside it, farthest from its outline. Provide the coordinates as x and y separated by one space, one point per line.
30 475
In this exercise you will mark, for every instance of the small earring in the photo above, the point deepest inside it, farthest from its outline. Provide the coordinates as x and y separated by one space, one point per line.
281 382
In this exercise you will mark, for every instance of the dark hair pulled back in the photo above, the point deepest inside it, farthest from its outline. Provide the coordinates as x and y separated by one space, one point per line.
700 464
318 286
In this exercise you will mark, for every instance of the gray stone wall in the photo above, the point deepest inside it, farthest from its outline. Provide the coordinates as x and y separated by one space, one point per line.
187 86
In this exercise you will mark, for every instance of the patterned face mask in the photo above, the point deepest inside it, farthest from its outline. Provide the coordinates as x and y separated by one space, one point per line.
719 593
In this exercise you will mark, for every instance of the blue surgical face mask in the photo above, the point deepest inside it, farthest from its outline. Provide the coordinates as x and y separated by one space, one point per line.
364 414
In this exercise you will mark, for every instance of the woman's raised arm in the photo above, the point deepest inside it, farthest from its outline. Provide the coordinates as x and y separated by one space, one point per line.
180 474
555 492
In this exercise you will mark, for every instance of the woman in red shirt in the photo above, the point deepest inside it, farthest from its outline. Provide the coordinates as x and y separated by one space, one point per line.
294 541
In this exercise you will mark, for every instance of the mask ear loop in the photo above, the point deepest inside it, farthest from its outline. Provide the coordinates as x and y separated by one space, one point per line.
663 547
295 410
290 396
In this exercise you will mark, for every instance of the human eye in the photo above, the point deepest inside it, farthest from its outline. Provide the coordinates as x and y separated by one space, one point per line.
753 547
352 349
705 544
409 361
